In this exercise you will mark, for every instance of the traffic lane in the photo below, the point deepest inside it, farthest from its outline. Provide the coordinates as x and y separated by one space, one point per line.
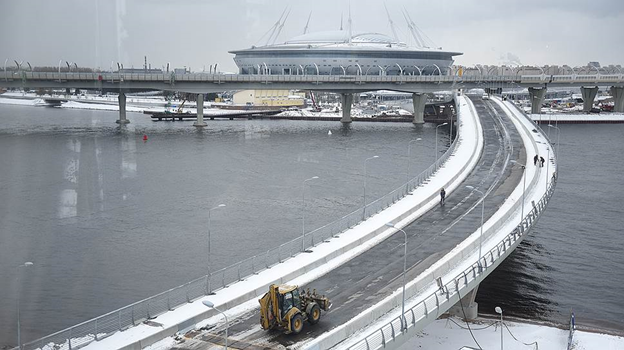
376 273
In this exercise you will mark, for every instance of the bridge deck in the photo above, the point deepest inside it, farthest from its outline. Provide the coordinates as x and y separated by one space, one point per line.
375 274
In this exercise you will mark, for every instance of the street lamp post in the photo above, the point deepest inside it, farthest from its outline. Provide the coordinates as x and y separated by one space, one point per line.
19 329
227 324
366 179
558 132
500 311
303 211
403 320
436 143
523 185
209 238
472 188
547 166
409 156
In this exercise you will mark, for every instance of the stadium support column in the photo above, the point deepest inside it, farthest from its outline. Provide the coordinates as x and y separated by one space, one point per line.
419 100
618 98
200 111
537 96
122 109
347 101
470 307
589 94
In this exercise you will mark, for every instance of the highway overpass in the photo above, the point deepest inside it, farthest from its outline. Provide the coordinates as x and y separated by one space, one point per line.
346 85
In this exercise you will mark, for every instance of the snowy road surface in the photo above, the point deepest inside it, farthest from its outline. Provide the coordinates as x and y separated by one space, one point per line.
375 274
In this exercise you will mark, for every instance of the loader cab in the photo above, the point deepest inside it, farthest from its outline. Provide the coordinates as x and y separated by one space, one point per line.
288 297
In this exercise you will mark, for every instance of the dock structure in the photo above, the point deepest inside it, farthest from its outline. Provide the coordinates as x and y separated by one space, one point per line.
199 117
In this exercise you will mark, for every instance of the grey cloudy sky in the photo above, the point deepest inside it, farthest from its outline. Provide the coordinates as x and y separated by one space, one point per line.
199 33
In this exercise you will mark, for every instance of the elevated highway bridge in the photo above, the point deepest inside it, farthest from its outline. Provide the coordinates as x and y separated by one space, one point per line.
346 85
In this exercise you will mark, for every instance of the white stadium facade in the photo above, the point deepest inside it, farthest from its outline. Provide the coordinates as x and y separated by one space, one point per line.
341 53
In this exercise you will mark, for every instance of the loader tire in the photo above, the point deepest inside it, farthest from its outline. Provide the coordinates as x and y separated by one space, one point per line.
296 324
315 314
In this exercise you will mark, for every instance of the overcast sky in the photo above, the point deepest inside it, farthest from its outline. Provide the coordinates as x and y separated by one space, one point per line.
197 33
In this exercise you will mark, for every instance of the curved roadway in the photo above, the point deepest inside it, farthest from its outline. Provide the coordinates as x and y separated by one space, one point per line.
373 275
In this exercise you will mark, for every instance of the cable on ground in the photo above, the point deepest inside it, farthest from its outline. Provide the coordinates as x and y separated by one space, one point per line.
466 320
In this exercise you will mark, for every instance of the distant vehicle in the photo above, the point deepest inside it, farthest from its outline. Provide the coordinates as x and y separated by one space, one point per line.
485 97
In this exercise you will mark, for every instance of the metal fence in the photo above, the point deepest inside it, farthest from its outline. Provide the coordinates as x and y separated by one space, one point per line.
103 326
431 304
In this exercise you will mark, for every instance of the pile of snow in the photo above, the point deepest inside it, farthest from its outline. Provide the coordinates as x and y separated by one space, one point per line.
555 117
452 333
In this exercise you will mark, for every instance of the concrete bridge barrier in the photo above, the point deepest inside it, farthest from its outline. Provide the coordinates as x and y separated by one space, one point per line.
460 270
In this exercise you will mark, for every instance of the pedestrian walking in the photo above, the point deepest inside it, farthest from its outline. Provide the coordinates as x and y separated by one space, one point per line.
442 196
542 162
535 159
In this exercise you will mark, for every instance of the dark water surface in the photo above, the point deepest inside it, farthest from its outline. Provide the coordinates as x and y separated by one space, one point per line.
109 219
574 258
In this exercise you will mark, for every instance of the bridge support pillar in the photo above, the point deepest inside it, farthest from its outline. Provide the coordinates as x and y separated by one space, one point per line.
471 308
346 101
618 98
419 101
122 109
537 96
200 112
589 94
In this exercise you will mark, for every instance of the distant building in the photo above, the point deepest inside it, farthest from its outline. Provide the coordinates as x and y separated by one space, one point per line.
594 64
341 53
269 98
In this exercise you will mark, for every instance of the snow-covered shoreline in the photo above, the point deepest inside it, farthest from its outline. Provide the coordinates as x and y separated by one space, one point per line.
453 333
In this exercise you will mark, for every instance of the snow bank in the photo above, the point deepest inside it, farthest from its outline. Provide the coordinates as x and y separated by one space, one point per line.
452 333
560 117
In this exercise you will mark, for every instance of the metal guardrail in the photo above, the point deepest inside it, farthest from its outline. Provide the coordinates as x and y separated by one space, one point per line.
129 316
431 305
171 78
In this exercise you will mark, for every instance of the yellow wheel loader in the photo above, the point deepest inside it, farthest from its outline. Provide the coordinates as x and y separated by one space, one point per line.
286 308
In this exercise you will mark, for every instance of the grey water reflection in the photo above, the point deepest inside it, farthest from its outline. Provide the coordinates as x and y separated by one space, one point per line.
110 219
572 260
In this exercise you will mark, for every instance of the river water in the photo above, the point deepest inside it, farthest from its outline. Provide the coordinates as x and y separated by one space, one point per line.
109 219
572 261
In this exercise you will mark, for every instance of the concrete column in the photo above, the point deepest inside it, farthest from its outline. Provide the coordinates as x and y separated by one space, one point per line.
471 308
618 97
122 109
589 95
200 111
537 96
347 101
419 101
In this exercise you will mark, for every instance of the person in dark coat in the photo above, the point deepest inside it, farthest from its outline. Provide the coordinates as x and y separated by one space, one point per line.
542 160
442 196
535 159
